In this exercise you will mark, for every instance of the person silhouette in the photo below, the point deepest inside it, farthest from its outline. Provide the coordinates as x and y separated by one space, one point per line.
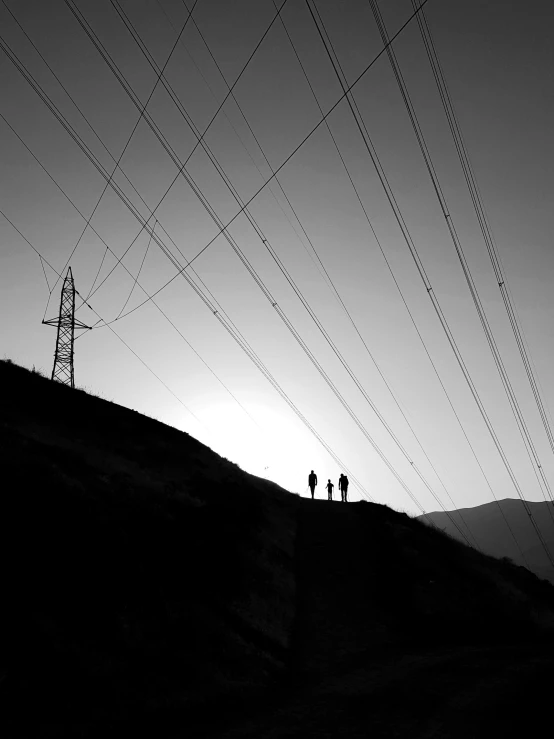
312 482
341 478
329 487
344 489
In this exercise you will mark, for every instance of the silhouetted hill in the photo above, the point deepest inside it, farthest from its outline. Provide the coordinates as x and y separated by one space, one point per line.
152 587
493 536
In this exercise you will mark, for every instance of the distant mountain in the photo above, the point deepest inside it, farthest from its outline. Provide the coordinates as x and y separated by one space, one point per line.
488 525
151 588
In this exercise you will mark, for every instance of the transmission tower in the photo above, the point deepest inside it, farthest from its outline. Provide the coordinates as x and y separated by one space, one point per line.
66 325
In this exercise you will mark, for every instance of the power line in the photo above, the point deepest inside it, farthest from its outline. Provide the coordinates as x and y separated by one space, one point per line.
83 116
320 369
415 255
41 262
411 246
86 300
512 398
258 279
172 258
257 361
161 138
135 282
342 303
128 142
42 259
45 277
229 328
253 357
486 230
84 148
33 247
239 253
317 263
113 67
308 238
237 104
224 229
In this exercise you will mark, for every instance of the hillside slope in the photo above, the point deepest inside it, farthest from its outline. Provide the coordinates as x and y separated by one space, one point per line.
143 570
150 585
488 524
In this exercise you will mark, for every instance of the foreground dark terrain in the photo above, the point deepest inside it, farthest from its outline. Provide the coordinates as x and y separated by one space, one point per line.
151 586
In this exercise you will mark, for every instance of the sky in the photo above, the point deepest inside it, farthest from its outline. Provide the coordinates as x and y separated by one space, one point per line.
175 360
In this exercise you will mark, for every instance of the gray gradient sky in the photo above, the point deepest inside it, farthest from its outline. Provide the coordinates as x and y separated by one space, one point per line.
497 58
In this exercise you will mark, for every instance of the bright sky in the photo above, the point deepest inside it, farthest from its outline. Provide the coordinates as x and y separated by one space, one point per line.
497 59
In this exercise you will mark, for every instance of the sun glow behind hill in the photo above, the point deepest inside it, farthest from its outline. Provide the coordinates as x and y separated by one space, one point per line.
264 442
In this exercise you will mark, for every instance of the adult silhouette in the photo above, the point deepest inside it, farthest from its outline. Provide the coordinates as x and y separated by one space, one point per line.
343 487
329 487
312 482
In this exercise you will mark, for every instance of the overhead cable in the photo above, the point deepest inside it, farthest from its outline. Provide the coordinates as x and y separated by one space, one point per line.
484 225
234 334
254 358
276 170
347 312
116 189
143 362
412 247
86 300
489 334
265 241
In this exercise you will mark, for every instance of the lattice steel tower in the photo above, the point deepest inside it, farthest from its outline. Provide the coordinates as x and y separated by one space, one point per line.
66 324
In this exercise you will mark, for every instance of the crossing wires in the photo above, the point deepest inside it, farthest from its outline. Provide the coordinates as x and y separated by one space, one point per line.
145 226
342 304
141 114
484 224
335 63
254 358
246 263
143 362
510 393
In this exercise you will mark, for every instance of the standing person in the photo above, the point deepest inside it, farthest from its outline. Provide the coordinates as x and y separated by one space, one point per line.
312 482
345 488
329 487
341 478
